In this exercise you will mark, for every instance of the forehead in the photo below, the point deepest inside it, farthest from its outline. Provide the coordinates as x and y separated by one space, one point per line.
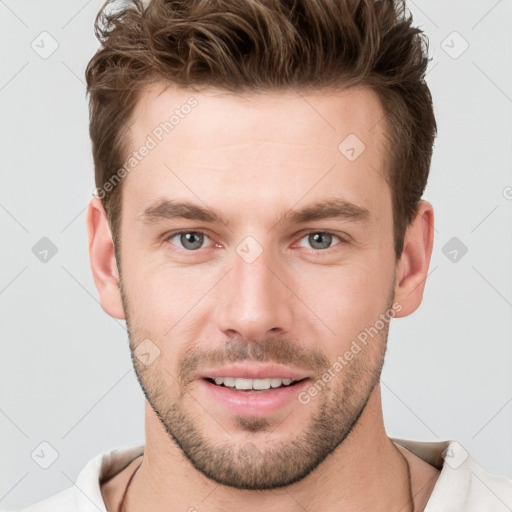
254 116
260 149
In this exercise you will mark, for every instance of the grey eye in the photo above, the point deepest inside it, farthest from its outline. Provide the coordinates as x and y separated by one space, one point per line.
320 240
190 240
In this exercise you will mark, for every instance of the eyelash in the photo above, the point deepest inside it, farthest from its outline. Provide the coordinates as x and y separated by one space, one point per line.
169 236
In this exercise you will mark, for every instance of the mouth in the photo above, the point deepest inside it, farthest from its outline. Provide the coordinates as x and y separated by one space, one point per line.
249 389
253 390
253 385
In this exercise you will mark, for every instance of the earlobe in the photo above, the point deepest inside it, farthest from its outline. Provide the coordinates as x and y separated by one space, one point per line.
414 262
103 260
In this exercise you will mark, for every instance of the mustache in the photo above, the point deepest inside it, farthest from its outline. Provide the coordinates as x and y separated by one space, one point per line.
270 350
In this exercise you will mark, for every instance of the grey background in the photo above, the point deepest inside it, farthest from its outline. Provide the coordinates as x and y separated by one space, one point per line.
66 376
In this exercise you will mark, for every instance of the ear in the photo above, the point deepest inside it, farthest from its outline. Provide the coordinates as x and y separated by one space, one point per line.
412 268
103 260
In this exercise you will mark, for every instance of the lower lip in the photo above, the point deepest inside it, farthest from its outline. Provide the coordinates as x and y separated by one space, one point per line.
261 403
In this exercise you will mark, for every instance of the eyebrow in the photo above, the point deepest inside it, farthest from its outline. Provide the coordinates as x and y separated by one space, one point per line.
335 208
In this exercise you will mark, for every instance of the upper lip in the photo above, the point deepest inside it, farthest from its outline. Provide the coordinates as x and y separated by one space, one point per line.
245 371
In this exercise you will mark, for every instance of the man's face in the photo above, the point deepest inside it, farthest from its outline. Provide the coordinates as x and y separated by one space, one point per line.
258 293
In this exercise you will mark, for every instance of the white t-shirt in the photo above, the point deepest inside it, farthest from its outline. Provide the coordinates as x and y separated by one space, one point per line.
462 486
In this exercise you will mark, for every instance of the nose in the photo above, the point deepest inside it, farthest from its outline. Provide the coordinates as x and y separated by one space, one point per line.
255 299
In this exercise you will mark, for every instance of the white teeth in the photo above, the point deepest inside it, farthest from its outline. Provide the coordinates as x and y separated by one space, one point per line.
261 384
243 384
228 381
256 384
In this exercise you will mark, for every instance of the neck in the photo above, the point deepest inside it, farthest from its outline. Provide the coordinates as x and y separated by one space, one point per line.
365 473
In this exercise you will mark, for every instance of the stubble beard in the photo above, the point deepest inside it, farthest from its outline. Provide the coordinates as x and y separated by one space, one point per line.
337 409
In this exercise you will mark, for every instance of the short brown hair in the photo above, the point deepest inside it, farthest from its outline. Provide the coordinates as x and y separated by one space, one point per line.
257 46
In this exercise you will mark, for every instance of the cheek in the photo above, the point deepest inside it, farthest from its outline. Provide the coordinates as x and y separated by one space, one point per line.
160 294
345 300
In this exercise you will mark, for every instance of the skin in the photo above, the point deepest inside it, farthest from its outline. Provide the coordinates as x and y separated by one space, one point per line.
253 159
